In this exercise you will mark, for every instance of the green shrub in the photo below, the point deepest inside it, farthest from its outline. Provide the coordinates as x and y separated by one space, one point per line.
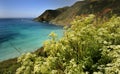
84 48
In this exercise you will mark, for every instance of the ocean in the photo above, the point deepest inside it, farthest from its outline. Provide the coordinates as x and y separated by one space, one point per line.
21 35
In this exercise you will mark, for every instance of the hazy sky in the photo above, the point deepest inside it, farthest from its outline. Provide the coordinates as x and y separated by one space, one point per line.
29 8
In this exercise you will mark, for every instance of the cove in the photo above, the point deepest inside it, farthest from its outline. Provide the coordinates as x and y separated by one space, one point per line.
23 34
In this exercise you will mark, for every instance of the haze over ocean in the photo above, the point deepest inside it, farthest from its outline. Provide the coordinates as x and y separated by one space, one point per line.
24 34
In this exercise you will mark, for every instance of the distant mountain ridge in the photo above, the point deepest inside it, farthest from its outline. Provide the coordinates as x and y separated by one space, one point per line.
98 7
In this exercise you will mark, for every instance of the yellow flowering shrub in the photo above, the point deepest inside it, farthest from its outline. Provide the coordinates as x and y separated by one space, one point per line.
84 48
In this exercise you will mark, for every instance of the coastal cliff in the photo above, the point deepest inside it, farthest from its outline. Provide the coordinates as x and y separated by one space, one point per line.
84 8
49 15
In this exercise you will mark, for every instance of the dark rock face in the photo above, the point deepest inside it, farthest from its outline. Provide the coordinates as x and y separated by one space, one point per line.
48 15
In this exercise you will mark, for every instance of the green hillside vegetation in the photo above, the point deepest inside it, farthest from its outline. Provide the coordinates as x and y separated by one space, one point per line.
86 48
9 66
101 8
66 17
98 7
68 13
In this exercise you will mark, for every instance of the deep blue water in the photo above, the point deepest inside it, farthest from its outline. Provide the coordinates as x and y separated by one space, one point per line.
24 34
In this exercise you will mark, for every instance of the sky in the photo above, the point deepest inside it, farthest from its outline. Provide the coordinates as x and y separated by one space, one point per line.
29 8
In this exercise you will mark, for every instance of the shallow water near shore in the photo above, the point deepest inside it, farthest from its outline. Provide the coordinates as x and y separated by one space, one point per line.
18 36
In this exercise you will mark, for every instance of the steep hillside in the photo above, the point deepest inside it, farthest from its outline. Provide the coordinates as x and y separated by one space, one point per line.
49 15
100 8
66 17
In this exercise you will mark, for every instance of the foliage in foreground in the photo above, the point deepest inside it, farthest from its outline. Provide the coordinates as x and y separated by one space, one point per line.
9 66
84 48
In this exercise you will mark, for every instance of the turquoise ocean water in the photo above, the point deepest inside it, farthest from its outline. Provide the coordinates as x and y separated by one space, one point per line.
24 34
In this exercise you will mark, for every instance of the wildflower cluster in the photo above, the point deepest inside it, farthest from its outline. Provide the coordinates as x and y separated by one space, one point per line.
84 48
